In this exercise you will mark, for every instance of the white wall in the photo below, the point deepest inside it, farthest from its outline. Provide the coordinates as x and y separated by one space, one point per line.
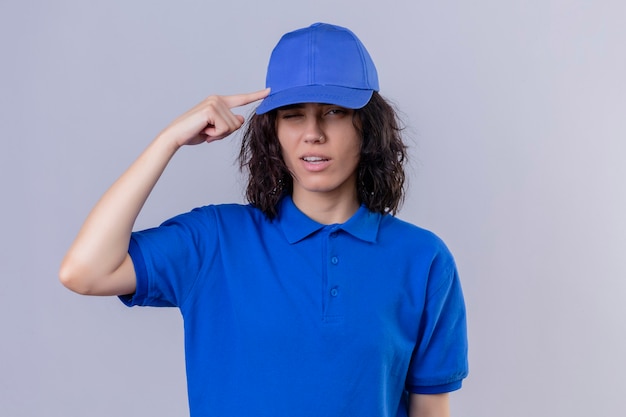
517 125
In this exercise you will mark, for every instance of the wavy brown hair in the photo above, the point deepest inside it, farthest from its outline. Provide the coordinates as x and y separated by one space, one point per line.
380 176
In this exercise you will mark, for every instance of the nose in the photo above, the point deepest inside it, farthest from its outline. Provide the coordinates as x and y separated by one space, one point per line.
313 133
319 139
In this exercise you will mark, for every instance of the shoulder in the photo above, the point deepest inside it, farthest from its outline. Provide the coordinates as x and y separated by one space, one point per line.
219 213
207 221
399 230
416 245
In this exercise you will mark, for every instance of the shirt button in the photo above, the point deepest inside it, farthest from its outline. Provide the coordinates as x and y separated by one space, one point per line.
334 260
334 292
333 235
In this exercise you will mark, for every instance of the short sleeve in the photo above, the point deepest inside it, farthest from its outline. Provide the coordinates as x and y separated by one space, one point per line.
439 362
168 259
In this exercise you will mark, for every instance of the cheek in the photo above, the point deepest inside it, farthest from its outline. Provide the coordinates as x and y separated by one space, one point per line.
284 151
281 145
356 149
287 157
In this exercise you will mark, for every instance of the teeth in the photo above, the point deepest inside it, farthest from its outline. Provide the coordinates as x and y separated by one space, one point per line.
313 158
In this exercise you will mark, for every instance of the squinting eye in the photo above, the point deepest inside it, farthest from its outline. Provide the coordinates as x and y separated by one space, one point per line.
289 115
336 111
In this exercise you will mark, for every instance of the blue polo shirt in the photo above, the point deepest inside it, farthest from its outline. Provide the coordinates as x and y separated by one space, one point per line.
295 318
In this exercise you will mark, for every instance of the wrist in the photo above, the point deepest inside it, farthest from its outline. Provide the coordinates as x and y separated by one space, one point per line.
167 143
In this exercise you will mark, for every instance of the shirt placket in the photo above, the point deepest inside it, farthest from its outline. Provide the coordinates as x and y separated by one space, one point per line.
332 291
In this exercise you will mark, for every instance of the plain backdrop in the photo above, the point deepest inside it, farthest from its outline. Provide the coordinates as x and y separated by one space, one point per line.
515 114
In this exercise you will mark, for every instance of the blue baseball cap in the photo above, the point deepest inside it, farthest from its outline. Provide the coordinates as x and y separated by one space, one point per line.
322 63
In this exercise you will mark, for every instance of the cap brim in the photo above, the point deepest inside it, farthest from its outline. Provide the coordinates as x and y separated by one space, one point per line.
350 98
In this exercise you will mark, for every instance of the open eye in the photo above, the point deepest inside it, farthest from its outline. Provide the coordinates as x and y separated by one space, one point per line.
336 111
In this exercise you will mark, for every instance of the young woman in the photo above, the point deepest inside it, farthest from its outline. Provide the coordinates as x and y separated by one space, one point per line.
312 300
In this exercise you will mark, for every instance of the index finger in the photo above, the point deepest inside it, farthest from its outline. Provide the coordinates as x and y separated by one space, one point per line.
237 100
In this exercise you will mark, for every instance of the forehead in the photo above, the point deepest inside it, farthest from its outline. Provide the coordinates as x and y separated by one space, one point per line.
307 106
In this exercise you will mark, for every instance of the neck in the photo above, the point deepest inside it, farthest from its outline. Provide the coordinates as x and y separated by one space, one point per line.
326 209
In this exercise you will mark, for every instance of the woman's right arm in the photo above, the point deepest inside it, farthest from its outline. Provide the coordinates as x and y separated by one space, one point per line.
97 262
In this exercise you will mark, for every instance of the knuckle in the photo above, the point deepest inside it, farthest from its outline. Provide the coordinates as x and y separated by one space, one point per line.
222 130
211 101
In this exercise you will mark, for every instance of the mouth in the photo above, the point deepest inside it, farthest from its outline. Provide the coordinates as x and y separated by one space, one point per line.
315 163
314 159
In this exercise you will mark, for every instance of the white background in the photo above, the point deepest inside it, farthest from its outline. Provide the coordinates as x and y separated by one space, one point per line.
516 122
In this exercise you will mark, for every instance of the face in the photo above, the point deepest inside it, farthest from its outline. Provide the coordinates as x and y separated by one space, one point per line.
321 148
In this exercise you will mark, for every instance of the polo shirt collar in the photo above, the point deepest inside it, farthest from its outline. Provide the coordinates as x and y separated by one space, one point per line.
296 225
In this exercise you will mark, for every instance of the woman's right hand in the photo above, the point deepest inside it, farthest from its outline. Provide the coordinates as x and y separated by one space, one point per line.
212 119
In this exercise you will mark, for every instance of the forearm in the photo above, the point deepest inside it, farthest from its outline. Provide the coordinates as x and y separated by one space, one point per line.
101 245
